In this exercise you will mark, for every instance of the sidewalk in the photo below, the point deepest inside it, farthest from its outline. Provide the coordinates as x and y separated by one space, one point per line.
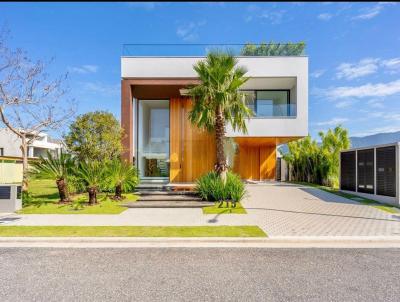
205 242
280 209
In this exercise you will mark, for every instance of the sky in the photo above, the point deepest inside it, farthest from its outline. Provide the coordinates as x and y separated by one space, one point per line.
353 48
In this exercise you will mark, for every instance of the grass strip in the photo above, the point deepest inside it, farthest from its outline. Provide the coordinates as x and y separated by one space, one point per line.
131 231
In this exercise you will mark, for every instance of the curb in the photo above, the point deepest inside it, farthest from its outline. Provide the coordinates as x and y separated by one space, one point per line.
203 242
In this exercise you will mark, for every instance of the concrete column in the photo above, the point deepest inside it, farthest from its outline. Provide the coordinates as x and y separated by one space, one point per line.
127 120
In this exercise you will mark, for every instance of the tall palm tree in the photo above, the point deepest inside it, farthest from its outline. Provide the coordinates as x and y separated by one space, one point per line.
122 176
58 167
217 100
93 174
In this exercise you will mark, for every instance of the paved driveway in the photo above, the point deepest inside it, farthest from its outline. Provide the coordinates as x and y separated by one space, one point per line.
278 208
292 210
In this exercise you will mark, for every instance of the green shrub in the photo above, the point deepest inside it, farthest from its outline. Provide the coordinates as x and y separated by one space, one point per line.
235 188
210 187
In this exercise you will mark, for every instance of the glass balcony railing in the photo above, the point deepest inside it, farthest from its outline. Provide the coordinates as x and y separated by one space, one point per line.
275 110
177 50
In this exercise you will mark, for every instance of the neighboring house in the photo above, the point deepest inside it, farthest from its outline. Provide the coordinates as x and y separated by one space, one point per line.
164 145
10 145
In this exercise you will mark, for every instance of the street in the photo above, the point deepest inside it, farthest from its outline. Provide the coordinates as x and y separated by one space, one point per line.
202 274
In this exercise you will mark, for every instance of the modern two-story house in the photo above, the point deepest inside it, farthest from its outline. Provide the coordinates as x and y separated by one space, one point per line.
165 146
43 143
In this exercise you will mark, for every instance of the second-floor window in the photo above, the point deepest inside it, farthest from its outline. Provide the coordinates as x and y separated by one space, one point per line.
270 103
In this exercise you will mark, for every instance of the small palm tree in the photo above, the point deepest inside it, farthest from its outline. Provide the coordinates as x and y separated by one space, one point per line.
92 173
218 100
58 167
122 176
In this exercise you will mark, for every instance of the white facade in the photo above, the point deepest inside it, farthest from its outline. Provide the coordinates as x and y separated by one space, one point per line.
10 145
266 73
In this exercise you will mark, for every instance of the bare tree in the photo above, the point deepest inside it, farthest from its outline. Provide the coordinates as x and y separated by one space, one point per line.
30 100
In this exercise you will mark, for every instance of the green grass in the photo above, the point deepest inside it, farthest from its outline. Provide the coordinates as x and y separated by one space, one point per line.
225 209
131 231
45 201
366 201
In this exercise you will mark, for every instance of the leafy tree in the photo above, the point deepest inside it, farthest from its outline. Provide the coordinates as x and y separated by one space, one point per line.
93 174
95 136
217 100
334 141
273 49
318 163
60 168
122 176
31 101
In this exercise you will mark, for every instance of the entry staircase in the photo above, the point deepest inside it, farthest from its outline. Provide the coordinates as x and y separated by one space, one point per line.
153 195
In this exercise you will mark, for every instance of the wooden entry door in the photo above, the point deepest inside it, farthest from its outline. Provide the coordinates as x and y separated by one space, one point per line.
192 151
255 162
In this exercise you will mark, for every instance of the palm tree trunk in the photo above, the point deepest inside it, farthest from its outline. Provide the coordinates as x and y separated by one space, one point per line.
62 190
118 192
220 166
92 196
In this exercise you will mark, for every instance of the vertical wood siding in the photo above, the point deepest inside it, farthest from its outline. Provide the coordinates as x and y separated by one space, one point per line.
192 150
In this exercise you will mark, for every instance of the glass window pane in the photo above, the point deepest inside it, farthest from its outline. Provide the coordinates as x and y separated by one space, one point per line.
272 103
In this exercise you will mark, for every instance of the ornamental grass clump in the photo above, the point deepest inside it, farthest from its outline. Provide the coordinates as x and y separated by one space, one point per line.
211 187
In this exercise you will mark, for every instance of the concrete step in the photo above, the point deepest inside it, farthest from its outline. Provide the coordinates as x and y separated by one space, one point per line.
169 197
164 193
168 204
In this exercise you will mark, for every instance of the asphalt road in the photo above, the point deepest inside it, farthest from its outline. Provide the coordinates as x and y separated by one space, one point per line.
203 274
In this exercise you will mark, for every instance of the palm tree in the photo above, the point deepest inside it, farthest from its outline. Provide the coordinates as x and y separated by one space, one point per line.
92 173
58 167
122 176
334 141
217 100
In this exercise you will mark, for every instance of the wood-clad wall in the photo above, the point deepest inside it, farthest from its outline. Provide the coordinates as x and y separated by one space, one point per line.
256 162
192 150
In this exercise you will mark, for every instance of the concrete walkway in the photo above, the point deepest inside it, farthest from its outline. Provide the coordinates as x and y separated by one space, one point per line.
279 209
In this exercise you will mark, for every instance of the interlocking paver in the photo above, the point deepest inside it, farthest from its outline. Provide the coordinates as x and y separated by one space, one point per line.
278 208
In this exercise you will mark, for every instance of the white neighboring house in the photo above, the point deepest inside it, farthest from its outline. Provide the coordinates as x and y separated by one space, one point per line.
10 145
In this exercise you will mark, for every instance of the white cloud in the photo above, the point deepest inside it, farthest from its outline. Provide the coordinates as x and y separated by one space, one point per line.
333 122
317 73
362 91
392 65
273 16
375 103
325 16
83 69
102 88
188 32
384 129
345 103
372 11
351 71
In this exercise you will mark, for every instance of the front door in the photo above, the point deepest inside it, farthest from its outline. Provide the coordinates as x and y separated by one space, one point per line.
153 140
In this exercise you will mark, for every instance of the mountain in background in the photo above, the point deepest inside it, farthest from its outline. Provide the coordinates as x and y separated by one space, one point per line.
365 141
375 139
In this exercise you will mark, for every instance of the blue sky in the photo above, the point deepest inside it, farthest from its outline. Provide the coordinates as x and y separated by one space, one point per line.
353 48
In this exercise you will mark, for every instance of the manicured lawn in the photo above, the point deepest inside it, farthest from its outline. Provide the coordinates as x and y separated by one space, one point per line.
45 201
373 203
224 209
131 231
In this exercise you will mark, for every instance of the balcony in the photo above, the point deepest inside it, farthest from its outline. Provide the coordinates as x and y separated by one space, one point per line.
199 50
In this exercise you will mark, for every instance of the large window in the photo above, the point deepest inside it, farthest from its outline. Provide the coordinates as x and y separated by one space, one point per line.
270 103
153 138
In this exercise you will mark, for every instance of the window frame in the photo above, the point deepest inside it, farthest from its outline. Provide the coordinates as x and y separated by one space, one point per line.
255 91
